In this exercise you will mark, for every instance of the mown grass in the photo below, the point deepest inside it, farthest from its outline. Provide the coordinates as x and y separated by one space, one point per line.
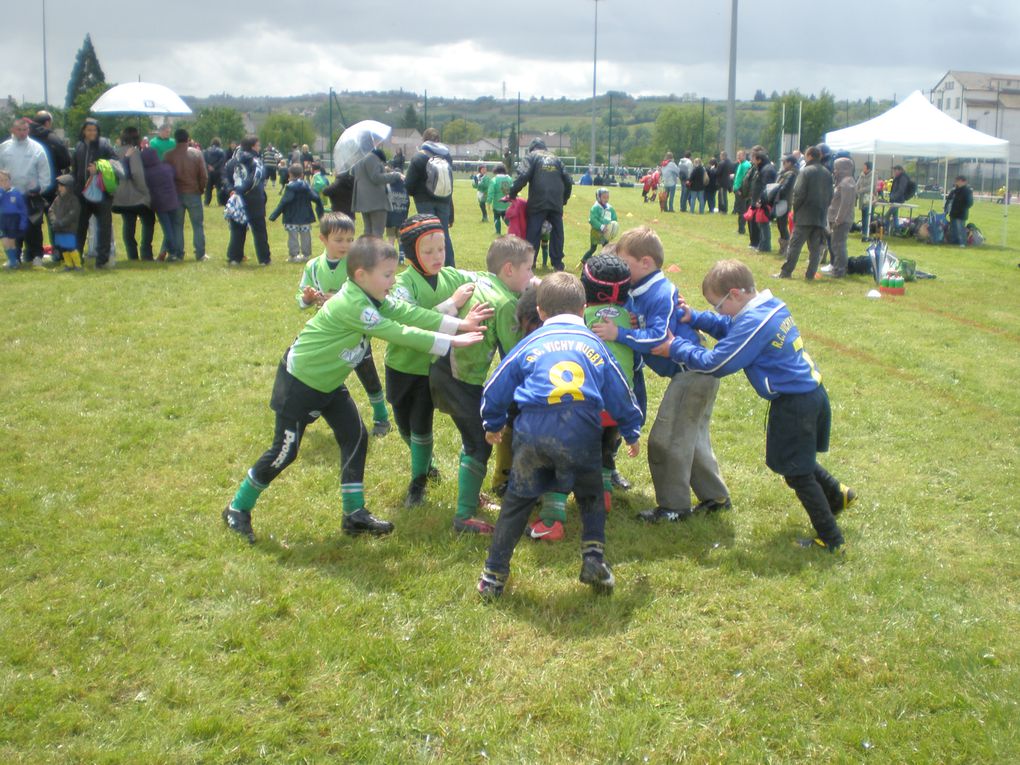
136 629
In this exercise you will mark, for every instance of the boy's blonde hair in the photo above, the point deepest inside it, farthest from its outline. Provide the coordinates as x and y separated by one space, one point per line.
367 253
508 249
725 275
639 243
561 293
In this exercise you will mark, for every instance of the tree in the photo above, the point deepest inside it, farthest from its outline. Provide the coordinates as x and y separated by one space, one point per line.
86 73
217 122
286 129
411 120
461 131
109 125
759 95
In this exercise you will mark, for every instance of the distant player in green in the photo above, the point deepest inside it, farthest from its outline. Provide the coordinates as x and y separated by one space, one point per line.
426 283
600 218
310 380
499 187
322 278
480 183
456 380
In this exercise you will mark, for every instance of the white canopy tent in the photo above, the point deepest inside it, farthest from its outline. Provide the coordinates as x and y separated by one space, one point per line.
917 128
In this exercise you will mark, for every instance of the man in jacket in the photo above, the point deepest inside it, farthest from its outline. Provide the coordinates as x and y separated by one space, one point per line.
425 202
739 192
685 165
190 177
28 164
898 193
40 129
215 159
724 182
841 214
812 194
549 186
958 204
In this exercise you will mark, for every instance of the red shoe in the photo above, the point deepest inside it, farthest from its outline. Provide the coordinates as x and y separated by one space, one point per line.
539 530
473 526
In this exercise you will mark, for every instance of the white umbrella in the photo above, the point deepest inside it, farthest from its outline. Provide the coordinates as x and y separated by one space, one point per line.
140 98
357 142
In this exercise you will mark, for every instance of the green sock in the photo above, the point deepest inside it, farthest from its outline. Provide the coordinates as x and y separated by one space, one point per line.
421 454
247 494
607 481
554 508
469 484
352 497
378 402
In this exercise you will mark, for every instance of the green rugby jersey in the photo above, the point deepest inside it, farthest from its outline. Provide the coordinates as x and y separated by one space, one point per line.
412 288
335 340
619 316
471 364
319 275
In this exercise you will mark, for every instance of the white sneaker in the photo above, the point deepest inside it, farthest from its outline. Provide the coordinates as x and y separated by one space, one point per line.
826 269
37 261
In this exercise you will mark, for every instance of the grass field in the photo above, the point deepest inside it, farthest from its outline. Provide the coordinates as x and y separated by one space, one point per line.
135 629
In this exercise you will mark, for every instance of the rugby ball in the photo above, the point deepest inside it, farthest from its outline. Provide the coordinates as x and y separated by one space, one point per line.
612 230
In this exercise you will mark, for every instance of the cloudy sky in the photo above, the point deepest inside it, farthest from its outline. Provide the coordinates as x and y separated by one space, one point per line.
538 47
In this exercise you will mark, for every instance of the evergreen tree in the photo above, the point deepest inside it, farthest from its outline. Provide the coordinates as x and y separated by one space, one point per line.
87 72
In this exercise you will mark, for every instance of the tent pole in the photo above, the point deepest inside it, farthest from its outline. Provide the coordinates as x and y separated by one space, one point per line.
871 191
1005 205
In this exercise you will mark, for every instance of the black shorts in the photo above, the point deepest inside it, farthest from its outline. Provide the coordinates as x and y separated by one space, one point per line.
411 401
463 402
296 402
797 430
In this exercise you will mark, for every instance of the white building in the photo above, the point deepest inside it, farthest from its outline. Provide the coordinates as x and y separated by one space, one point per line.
989 103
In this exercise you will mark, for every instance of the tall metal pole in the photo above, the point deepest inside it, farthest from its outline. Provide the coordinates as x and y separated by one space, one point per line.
731 94
45 72
609 159
594 78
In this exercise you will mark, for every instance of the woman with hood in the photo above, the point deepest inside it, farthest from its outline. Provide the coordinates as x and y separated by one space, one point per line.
370 197
91 148
245 178
841 213
131 200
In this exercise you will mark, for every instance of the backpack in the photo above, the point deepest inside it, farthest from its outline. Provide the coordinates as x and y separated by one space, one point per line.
936 227
910 190
438 176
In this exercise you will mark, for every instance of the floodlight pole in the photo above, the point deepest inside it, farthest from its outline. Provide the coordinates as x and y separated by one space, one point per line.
731 93
594 79
46 79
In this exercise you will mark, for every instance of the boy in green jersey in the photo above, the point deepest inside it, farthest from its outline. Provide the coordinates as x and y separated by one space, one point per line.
456 380
322 278
599 219
426 283
310 379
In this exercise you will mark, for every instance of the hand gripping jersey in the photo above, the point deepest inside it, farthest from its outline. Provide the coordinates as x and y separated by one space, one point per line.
619 316
335 340
562 364
471 364
762 339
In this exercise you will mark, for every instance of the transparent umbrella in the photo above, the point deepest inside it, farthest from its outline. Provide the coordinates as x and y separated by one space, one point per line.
140 98
357 142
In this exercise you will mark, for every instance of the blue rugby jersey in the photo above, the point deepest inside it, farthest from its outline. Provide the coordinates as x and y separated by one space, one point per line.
653 301
561 364
762 339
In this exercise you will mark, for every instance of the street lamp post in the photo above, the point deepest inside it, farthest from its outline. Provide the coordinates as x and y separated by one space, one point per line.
594 78
46 79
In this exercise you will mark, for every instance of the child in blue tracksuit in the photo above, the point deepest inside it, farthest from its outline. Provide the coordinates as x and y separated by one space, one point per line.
680 456
561 377
13 219
756 333
301 207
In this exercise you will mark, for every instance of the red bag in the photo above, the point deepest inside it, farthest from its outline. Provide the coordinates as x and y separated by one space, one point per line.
761 214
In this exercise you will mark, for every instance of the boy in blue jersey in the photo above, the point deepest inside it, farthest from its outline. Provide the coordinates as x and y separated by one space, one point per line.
561 377
756 333
680 456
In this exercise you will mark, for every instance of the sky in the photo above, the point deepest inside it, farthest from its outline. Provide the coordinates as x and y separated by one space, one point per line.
455 48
